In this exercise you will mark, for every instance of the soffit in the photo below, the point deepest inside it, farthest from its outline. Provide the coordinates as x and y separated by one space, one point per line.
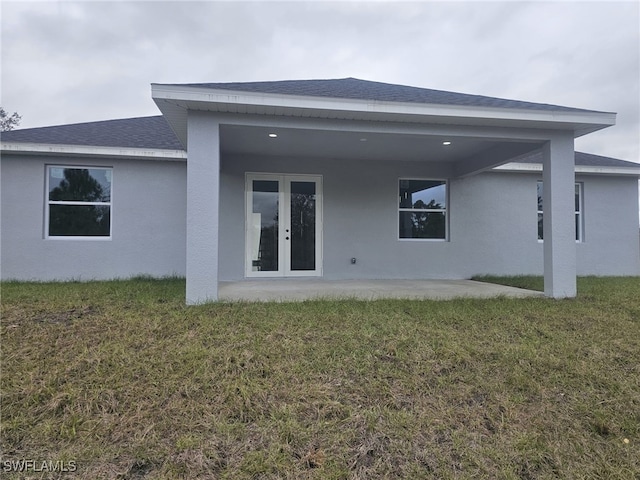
337 144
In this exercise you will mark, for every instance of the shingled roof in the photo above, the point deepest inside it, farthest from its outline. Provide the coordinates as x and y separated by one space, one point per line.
141 132
356 89
585 160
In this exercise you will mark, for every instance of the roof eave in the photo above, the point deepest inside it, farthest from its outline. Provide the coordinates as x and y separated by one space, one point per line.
19 148
174 101
520 167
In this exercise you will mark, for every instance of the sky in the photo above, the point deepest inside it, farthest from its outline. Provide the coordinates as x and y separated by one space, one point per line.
79 61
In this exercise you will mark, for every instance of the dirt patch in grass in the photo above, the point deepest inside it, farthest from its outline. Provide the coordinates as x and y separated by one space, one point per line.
126 382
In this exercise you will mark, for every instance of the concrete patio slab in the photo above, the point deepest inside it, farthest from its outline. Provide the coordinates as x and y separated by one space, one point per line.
300 289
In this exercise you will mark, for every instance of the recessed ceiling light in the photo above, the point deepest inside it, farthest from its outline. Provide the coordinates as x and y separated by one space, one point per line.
446 142
363 139
273 135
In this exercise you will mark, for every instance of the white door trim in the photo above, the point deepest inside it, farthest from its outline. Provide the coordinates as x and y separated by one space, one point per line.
284 216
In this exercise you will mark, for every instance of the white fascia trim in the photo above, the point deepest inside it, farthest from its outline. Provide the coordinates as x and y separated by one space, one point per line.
537 167
227 97
77 150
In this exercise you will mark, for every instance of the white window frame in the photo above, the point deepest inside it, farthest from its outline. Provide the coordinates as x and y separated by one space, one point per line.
578 214
49 202
438 210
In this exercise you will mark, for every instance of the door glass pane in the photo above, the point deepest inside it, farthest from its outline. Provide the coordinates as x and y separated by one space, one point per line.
303 226
263 226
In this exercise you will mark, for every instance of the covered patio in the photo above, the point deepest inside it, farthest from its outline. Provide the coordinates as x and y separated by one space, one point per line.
298 290
352 135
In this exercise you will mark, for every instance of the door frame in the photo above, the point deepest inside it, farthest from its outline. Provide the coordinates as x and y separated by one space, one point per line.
284 264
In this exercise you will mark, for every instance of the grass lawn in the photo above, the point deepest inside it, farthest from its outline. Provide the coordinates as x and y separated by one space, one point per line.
121 380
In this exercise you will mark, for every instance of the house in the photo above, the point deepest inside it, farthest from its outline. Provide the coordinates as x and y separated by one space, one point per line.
339 179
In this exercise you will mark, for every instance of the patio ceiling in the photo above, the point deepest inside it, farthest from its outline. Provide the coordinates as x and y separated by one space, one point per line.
341 144
464 155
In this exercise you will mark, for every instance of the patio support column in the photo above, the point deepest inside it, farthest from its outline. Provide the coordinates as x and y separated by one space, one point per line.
203 192
558 205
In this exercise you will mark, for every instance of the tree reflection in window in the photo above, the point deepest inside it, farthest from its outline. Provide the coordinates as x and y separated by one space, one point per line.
427 224
422 205
79 202
303 225
265 210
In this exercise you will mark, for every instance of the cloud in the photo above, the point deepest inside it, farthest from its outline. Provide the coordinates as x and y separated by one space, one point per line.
80 61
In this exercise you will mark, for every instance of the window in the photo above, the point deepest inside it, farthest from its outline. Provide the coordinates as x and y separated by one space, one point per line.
578 212
78 202
423 209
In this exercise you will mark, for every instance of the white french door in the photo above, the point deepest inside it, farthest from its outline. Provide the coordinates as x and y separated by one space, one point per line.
283 225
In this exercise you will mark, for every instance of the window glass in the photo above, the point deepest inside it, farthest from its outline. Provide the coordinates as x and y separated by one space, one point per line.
79 184
79 202
540 222
539 196
540 228
578 212
422 225
79 220
265 224
303 225
423 194
422 209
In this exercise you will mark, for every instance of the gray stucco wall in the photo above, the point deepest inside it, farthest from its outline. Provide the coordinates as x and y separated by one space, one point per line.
492 229
492 222
610 226
148 222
